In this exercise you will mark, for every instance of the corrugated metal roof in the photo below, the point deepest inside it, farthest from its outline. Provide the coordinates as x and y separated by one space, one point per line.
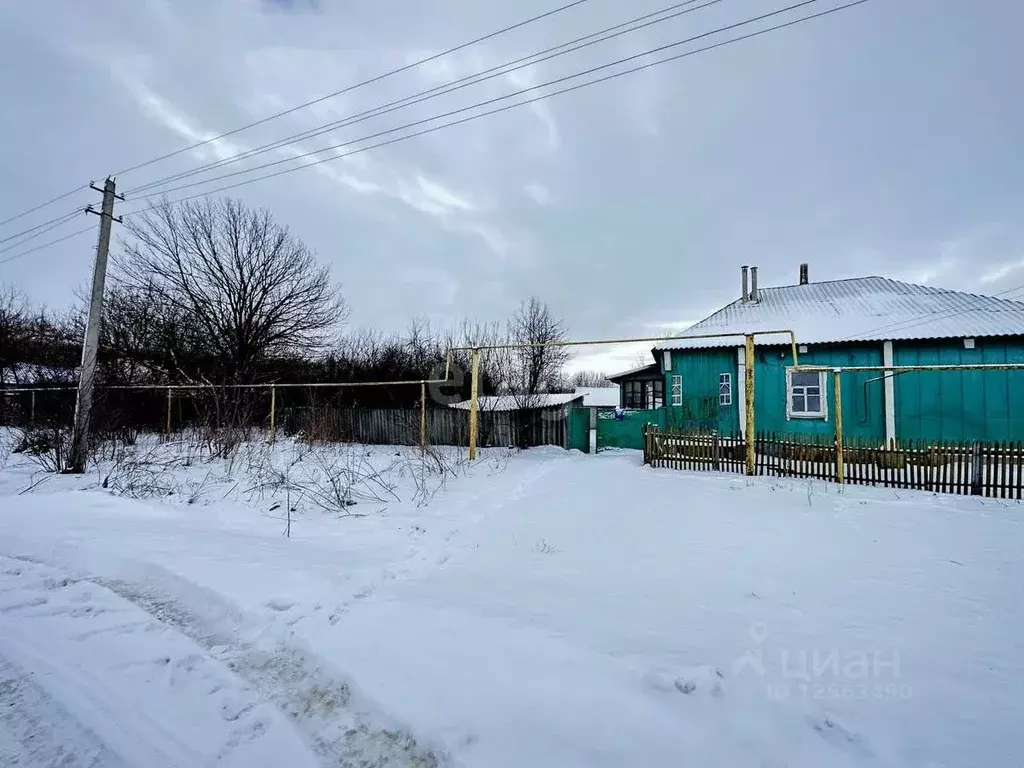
517 402
859 309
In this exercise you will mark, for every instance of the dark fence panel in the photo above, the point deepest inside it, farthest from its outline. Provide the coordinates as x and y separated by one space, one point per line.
969 468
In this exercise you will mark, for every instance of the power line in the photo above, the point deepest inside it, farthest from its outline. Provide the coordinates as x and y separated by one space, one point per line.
527 101
43 205
347 89
45 245
500 70
46 226
505 108
511 95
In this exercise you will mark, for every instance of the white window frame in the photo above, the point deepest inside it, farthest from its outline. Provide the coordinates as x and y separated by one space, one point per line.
823 397
667 359
677 389
725 396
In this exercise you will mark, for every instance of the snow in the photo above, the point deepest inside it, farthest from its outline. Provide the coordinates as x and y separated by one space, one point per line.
862 308
518 402
541 608
600 397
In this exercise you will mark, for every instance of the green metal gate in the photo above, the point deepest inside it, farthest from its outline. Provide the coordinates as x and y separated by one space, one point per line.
579 429
627 431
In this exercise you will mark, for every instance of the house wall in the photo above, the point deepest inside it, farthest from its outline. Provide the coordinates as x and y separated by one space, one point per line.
863 407
968 405
700 409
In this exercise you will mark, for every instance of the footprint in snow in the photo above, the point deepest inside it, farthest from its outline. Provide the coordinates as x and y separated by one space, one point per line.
701 680
839 737
279 605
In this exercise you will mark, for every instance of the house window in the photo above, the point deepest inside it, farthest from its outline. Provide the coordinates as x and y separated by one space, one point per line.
643 395
677 390
805 395
632 394
725 389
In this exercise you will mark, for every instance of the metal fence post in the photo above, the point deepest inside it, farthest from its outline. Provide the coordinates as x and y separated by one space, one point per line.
423 417
837 391
32 410
167 425
273 414
748 389
474 404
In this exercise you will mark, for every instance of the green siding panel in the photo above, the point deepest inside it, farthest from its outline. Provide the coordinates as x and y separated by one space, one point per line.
701 407
960 405
863 399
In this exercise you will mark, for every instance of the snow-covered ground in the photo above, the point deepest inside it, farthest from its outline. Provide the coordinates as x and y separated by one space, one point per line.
541 608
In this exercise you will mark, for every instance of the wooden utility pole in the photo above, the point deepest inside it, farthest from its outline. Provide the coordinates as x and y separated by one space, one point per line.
90 345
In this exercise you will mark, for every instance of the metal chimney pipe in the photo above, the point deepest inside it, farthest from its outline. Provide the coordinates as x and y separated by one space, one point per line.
753 285
745 293
803 274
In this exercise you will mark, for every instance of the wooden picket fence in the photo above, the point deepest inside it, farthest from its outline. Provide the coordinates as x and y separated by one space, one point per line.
993 469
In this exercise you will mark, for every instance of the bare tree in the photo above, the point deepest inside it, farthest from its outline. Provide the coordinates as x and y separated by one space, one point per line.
249 286
14 333
589 379
535 366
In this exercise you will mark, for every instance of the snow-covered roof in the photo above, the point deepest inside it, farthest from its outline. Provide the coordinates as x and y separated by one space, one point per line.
517 402
599 397
859 309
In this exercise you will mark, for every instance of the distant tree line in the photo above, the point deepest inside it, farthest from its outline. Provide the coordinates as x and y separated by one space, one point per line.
213 292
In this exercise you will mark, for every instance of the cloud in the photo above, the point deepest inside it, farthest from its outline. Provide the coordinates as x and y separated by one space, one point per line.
538 193
521 79
442 196
1001 271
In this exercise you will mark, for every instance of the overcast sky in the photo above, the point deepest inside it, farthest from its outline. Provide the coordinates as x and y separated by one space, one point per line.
885 139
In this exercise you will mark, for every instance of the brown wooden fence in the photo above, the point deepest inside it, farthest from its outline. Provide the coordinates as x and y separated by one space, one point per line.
975 468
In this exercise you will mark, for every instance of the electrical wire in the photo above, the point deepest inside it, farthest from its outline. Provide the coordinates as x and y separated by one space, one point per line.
43 205
46 245
361 84
517 93
46 226
576 87
585 41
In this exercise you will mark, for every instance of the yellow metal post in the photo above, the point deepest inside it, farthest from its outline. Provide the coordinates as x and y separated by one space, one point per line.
273 414
748 389
837 390
423 417
167 426
473 402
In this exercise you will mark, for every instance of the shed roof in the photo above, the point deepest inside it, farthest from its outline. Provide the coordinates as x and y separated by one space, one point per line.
649 368
518 402
859 309
599 397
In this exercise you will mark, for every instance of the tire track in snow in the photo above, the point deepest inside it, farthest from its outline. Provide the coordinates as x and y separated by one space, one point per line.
321 706
83 686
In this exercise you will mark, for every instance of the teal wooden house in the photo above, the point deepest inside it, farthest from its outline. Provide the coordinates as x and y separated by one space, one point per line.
868 321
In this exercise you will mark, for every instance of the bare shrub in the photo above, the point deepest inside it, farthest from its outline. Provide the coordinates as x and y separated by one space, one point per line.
48 447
